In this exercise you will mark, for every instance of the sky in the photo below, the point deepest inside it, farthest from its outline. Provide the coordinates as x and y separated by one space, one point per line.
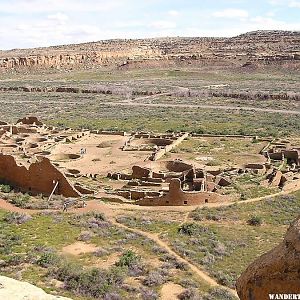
36 23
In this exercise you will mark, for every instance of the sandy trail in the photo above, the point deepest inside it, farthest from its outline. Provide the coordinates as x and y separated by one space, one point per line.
161 243
194 106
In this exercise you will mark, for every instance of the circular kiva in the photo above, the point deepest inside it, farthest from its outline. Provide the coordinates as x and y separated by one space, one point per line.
154 142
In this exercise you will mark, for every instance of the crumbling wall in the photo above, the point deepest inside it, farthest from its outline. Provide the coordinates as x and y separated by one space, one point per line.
140 172
168 148
178 166
30 121
39 178
177 197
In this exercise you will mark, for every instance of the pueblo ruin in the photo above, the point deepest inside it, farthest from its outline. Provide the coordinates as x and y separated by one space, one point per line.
40 159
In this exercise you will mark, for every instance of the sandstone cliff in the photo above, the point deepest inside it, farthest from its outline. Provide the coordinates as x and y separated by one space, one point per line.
259 46
277 272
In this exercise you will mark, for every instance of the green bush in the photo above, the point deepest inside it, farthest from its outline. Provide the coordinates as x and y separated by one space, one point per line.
48 259
16 218
5 188
128 259
191 229
93 283
219 294
255 221
20 200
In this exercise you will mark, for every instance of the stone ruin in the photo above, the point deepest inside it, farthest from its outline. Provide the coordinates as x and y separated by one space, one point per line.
187 185
158 144
40 177
25 162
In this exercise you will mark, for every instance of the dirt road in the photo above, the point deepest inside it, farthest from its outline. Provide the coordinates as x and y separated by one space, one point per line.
133 103
204 106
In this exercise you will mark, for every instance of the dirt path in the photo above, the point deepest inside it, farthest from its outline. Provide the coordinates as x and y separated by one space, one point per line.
161 243
166 105
194 106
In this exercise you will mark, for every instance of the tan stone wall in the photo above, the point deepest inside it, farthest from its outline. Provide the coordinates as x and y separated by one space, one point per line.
177 197
40 177
168 148
30 121
140 172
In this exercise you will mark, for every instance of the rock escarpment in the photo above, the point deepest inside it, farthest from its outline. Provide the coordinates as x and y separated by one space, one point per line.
276 272
259 46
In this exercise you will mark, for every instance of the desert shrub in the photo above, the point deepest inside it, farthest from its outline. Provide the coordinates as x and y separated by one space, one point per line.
190 294
219 249
94 282
137 269
225 279
97 222
20 200
16 218
154 278
127 259
208 259
5 188
158 250
48 259
85 236
173 262
15 260
188 283
8 241
182 248
112 296
255 221
288 197
101 252
148 294
96 215
192 229
219 294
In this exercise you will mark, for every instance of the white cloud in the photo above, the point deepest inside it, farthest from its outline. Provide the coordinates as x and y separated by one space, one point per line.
231 13
294 4
162 25
288 3
59 17
173 13
270 14
48 6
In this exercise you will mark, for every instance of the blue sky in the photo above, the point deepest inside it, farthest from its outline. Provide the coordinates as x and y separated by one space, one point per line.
32 23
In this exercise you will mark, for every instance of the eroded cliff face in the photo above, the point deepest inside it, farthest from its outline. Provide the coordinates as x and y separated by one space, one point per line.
264 46
276 272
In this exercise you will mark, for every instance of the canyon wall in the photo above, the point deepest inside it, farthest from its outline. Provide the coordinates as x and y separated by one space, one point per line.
266 46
